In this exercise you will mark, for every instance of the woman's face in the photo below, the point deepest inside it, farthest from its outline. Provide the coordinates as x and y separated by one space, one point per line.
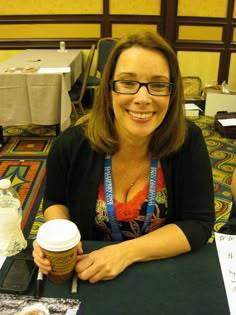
138 115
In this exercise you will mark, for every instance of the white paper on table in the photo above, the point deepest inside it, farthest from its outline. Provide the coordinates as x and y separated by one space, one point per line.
226 248
54 70
191 106
2 259
228 121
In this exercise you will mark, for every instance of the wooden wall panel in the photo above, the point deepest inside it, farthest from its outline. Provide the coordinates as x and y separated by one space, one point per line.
35 7
4 54
202 64
203 8
234 13
234 35
135 7
213 15
206 33
232 71
119 30
56 30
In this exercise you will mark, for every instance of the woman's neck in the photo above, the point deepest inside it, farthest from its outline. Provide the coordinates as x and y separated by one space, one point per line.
132 153
133 149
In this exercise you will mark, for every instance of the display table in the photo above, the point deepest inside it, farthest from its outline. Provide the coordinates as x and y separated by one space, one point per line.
187 284
34 87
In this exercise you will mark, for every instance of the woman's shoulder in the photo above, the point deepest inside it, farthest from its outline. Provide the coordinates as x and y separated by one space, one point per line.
70 141
194 134
70 135
194 141
72 131
192 127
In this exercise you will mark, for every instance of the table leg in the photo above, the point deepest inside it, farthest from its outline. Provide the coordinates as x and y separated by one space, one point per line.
58 129
1 138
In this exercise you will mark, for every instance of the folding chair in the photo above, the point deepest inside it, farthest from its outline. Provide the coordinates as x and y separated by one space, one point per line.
193 91
78 90
192 87
104 47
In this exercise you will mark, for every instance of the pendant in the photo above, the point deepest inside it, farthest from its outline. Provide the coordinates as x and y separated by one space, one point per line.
132 184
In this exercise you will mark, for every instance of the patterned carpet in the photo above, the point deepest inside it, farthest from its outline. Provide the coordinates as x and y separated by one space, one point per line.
222 152
23 160
29 130
24 156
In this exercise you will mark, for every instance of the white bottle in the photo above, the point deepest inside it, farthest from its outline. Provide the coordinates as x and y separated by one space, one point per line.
12 240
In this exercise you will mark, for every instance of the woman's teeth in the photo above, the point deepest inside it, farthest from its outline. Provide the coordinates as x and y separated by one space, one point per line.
140 115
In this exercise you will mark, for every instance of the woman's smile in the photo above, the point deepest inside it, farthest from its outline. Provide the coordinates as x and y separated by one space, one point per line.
140 116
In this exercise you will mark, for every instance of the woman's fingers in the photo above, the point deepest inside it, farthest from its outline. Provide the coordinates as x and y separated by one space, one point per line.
102 264
80 248
39 258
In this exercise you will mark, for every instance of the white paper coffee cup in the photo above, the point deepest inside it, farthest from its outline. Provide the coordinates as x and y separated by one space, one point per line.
59 240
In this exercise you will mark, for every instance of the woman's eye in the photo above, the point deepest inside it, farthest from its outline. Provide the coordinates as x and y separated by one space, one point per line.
128 83
158 85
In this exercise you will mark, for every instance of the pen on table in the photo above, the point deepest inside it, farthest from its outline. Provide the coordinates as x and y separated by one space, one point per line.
34 60
39 284
74 286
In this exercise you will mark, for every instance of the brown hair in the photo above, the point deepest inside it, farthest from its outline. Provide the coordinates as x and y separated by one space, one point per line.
99 125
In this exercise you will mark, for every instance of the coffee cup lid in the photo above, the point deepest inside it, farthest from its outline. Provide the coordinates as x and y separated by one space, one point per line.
58 235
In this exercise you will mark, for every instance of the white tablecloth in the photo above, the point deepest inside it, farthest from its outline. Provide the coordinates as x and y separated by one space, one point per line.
38 98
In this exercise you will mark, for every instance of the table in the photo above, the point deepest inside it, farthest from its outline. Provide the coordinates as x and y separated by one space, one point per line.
38 98
187 284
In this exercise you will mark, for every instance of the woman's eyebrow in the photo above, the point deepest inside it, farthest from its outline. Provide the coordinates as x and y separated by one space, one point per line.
134 75
126 73
160 77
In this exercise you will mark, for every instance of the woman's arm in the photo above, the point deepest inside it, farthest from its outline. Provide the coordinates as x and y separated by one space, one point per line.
107 262
168 241
56 212
192 201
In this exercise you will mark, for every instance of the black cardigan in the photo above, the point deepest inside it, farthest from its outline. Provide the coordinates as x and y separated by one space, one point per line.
74 172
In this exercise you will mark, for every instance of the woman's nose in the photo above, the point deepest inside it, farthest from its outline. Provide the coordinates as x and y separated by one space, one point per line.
143 96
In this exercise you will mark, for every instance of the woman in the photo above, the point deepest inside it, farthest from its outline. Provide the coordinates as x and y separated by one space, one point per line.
98 172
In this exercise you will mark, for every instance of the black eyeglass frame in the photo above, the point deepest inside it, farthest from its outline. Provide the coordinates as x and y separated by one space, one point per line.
170 84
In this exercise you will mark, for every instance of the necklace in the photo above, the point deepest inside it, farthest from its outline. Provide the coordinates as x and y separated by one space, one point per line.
132 182
116 232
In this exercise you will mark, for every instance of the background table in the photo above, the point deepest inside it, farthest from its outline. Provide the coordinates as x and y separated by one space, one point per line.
187 284
38 98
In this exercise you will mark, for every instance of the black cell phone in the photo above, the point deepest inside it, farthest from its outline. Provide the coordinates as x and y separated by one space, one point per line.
18 275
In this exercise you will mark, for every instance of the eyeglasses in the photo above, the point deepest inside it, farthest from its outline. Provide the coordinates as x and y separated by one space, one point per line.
132 87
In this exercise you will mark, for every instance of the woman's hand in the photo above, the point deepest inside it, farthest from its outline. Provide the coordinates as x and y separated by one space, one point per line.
42 262
39 258
102 264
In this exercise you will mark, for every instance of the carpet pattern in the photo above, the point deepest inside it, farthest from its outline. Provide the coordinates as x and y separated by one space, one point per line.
29 130
31 146
23 161
222 152
24 157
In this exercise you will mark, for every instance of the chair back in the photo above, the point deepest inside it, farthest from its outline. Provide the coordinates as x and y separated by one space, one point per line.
87 70
192 86
77 92
104 47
